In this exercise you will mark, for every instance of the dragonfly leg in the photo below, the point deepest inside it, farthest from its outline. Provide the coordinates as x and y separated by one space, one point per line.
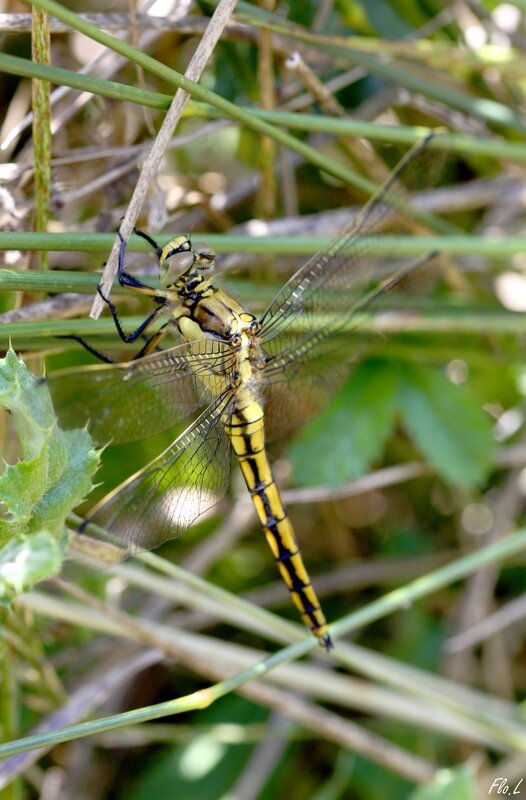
124 278
89 348
151 343
152 242
149 346
131 337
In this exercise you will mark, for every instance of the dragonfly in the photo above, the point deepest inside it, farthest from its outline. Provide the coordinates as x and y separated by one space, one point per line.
247 379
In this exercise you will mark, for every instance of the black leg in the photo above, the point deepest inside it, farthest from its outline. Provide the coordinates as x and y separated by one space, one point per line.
89 348
124 278
152 242
151 342
149 345
130 337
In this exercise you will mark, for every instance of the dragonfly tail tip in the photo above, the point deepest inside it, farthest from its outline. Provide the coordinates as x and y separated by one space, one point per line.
327 642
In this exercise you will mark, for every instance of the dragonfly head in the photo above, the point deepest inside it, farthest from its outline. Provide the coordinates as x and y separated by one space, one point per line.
179 257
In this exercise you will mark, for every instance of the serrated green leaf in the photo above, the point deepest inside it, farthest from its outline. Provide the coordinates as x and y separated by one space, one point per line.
343 441
23 484
448 784
25 560
53 474
33 418
81 461
447 425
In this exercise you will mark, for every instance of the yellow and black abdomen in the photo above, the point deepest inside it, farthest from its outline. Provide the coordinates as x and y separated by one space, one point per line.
245 429
207 312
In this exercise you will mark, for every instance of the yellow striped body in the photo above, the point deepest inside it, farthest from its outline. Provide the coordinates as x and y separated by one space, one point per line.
201 311
246 431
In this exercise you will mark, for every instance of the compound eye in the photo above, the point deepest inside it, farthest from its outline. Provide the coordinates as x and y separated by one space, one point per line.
204 255
170 271
204 250
179 245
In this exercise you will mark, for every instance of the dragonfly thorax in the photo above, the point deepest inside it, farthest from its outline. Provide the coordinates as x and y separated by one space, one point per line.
208 312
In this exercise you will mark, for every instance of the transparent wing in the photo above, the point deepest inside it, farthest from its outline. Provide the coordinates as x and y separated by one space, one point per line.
297 391
164 498
299 380
324 295
319 323
127 402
